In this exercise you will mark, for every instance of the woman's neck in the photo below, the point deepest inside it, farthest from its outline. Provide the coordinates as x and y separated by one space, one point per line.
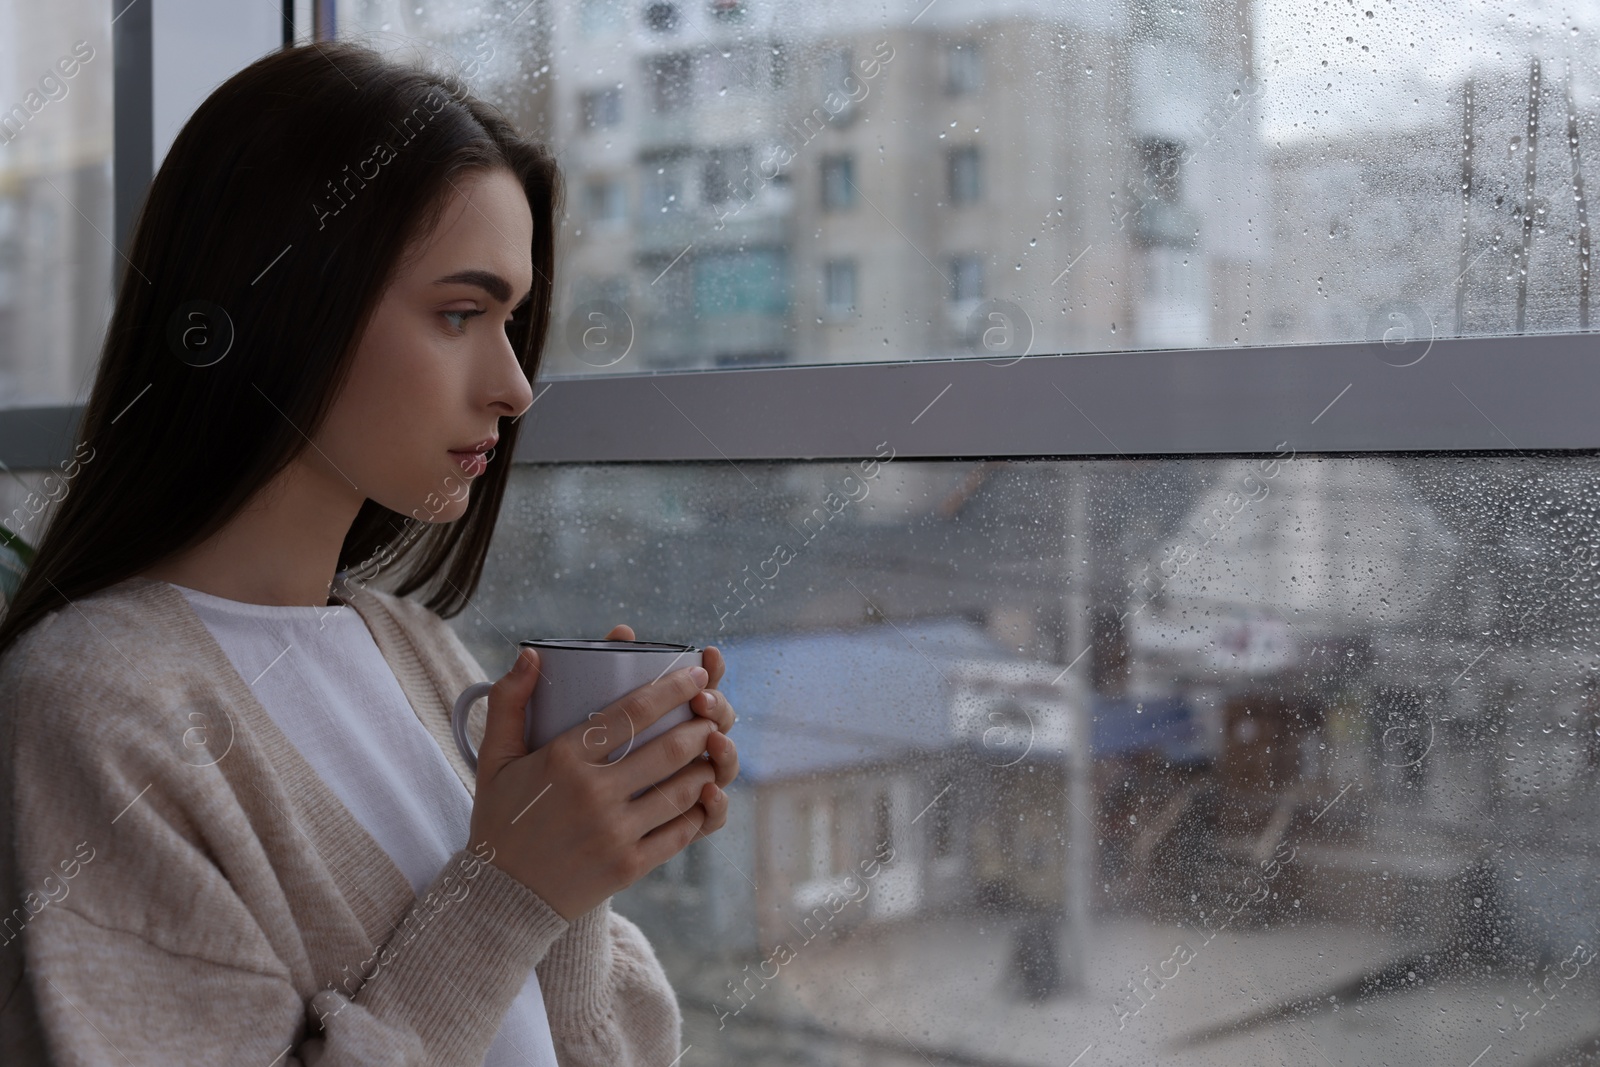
282 548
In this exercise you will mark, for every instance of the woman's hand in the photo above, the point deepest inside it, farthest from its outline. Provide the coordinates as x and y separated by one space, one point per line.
560 819
712 705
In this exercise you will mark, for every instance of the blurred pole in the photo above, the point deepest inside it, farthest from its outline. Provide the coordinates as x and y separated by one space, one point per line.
1581 205
1466 205
1080 827
132 122
324 20
1527 195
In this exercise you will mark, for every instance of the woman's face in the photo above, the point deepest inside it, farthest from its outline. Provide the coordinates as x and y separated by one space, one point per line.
434 373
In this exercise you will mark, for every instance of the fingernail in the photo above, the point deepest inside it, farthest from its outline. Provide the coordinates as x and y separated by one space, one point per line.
699 675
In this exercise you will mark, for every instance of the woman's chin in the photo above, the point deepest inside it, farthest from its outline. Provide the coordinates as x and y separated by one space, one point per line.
437 507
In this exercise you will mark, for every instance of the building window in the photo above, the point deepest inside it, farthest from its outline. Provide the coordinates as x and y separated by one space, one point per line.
963 171
1160 161
838 183
662 18
662 187
966 278
601 108
836 85
780 64
816 828
596 18
670 79
605 202
963 68
839 287
727 173
754 281
727 10
883 823
942 830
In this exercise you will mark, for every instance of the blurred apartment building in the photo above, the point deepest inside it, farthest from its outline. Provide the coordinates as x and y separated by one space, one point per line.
55 202
1469 221
757 185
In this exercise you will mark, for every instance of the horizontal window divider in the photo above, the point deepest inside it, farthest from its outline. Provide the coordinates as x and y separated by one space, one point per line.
1495 395
1524 393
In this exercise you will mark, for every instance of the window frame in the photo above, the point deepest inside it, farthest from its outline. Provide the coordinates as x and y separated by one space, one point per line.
1493 395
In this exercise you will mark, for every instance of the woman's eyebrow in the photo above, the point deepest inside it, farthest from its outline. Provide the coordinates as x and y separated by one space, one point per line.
487 280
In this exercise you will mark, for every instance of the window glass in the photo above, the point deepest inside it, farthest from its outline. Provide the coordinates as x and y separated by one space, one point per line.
1137 176
661 17
606 201
962 165
753 281
966 279
1256 760
56 251
725 168
599 17
839 286
670 81
838 187
602 108
963 67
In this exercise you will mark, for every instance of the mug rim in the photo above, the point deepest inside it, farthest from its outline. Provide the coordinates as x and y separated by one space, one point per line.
585 644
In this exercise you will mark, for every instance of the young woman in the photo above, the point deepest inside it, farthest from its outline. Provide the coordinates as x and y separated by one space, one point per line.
234 827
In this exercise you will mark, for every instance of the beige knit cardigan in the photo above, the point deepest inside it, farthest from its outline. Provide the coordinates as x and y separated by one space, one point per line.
179 886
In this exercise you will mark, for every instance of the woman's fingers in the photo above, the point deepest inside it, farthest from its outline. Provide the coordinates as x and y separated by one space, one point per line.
724 758
502 729
709 704
713 662
672 836
714 802
673 796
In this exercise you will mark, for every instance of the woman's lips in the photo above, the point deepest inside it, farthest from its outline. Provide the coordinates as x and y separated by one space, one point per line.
471 463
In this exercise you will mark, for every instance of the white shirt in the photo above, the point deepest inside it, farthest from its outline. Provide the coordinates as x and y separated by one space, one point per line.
321 678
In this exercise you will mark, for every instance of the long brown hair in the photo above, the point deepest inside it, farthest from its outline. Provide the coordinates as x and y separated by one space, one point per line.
279 217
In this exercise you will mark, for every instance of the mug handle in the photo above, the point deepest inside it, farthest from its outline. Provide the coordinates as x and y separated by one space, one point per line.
458 721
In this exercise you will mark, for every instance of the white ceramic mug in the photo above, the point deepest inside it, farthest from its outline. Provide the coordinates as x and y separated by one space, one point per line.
578 678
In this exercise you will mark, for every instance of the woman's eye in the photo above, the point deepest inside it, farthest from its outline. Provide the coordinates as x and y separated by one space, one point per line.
462 315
